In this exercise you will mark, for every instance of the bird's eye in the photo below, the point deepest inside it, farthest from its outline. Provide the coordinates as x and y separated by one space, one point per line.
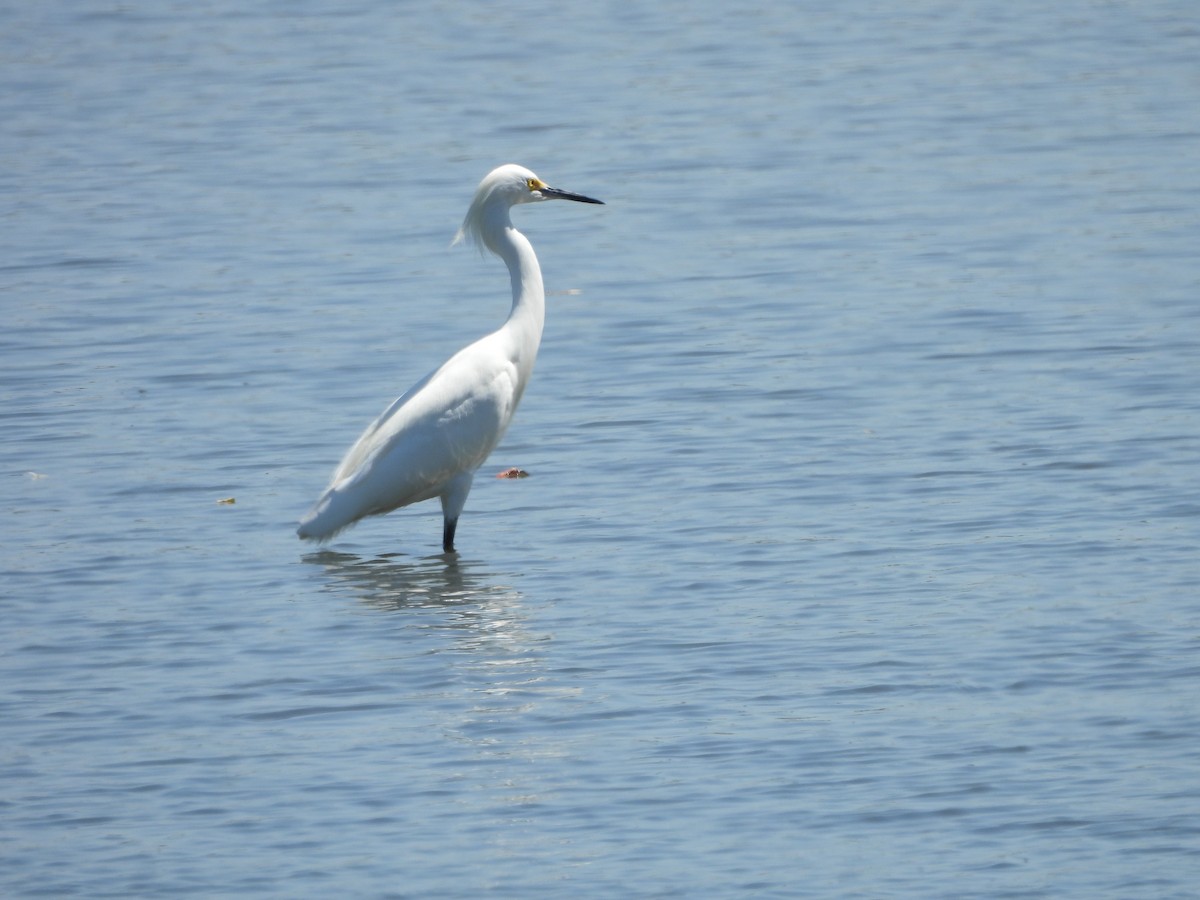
534 184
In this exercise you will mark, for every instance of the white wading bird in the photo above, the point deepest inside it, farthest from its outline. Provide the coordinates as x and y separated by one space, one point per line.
430 441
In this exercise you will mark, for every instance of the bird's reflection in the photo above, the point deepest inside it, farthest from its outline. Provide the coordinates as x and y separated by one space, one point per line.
495 681
484 613
393 583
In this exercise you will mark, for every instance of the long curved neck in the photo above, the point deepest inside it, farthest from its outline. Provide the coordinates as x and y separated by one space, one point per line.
529 296
528 314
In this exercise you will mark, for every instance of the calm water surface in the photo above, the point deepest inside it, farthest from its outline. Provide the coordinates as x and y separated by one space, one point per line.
858 556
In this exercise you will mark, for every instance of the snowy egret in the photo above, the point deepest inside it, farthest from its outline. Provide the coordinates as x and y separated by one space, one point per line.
431 440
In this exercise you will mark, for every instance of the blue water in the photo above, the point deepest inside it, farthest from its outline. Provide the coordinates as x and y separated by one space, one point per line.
858 556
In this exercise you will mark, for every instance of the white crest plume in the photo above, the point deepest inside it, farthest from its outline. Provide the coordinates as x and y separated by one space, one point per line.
506 178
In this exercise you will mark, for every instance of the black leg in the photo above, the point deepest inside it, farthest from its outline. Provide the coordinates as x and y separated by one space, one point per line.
448 534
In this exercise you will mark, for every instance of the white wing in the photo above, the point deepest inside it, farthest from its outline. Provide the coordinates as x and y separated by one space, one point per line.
443 426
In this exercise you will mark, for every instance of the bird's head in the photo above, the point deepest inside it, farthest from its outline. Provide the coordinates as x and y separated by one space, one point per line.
501 189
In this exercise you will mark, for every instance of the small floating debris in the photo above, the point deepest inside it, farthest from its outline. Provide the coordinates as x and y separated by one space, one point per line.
227 501
34 476
513 473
